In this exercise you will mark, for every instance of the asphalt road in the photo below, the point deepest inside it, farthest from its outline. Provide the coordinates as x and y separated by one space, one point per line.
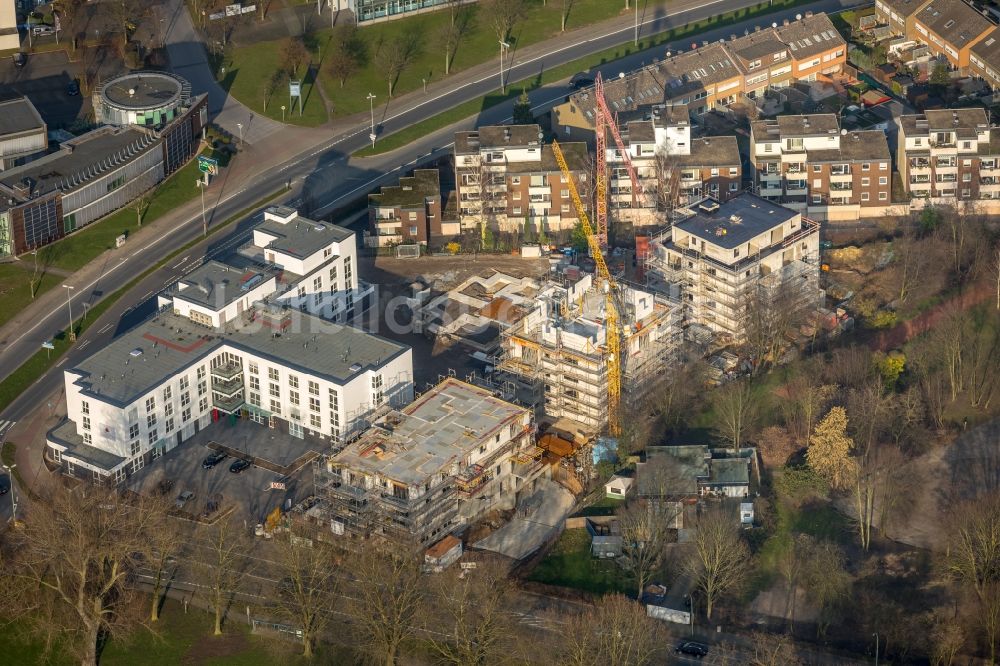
323 180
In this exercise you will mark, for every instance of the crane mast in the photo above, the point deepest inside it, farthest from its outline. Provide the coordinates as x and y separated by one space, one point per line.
607 283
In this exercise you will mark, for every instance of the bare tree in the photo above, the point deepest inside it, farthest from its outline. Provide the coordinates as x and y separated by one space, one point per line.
773 650
126 14
70 567
293 55
454 31
644 527
309 573
947 638
393 57
225 565
274 84
141 204
565 7
806 397
387 597
737 409
719 559
668 180
502 15
675 393
995 270
347 53
615 631
470 623
825 579
774 306
973 559
164 541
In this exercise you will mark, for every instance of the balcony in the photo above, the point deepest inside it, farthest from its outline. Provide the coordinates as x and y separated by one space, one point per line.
471 479
841 178
227 387
769 175
916 180
841 170
227 404
228 370
946 178
920 167
841 187
795 168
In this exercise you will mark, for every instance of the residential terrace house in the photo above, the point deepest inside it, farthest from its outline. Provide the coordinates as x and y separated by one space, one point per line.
410 212
809 164
949 155
951 29
506 177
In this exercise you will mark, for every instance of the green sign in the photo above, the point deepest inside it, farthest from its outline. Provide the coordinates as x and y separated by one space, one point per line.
208 165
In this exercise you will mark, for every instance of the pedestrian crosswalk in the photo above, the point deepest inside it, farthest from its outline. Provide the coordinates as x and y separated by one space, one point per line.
4 427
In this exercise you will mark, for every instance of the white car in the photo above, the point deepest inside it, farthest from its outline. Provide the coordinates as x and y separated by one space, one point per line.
40 30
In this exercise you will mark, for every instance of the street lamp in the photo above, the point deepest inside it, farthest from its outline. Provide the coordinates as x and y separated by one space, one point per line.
503 84
282 113
200 184
876 647
69 304
13 505
240 127
637 23
371 106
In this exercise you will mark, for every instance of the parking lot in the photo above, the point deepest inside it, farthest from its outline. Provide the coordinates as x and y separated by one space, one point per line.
248 494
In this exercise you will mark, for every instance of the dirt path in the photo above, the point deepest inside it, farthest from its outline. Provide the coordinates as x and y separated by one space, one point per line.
896 336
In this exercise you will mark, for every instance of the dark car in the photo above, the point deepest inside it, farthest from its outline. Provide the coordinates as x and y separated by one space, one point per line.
73 89
213 460
239 466
692 649
581 80
20 59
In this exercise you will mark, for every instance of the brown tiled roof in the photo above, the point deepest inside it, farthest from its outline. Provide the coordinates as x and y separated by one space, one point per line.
711 151
808 125
866 145
988 49
509 135
810 36
575 154
905 7
757 45
955 21
639 131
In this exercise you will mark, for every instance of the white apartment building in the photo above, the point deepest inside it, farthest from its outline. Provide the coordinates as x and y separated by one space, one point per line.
227 343
429 469
714 259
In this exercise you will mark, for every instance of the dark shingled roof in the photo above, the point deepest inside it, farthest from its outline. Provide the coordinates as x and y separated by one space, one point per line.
720 227
711 151
411 192
955 21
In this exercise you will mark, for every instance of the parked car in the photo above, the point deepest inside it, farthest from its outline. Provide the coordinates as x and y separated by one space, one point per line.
581 80
20 59
41 30
213 459
73 89
692 649
239 466
184 498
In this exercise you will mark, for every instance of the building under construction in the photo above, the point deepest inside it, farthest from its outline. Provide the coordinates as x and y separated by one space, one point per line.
432 468
560 349
722 260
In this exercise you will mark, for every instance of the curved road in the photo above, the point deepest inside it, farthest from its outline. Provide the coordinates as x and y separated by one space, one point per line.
323 179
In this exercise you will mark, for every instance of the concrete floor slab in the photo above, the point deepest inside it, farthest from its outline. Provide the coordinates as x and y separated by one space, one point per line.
538 516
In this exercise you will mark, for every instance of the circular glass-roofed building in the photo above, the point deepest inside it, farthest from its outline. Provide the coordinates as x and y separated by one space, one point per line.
144 98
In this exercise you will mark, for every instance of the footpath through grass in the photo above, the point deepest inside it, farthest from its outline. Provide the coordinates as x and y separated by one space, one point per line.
554 74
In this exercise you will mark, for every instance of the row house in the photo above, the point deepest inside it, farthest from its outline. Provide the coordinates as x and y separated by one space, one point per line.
809 164
949 154
411 212
949 28
984 59
506 178
672 167
716 74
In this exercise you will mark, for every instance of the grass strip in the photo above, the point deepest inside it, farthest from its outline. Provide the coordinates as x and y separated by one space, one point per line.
39 363
405 136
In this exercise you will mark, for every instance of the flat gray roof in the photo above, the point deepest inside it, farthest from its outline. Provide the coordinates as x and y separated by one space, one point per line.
736 221
17 115
77 160
301 237
215 284
65 434
143 90
730 471
439 428
144 357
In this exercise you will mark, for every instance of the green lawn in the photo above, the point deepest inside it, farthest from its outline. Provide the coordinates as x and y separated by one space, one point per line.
569 564
250 68
179 638
473 107
15 286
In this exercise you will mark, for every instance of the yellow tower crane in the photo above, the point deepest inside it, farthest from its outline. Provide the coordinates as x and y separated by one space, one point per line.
607 283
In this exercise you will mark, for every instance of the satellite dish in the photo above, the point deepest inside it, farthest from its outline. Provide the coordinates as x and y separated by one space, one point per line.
843 132
798 17
668 54
131 91
774 25
621 75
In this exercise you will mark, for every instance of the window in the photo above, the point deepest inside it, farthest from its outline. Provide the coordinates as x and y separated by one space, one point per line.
84 407
817 168
715 171
314 404
87 438
203 405
167 394
516 210
150 404
413 216
883 196
883 166
86 423
186 415
733 187
736 252
516 196
564 194
315 422
966 177
169 426
866 166
272 374
883 180
564 209
865 182
255 383
276 407
151 420
313 388
515 180
185 383
201 372
817 198
133 449
318 283
185 399
377 395
348 273
733 171
133 431
202 388
293 397
251 368
274 390
864 196
168 409
152 437
255 399
293 381
327 252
